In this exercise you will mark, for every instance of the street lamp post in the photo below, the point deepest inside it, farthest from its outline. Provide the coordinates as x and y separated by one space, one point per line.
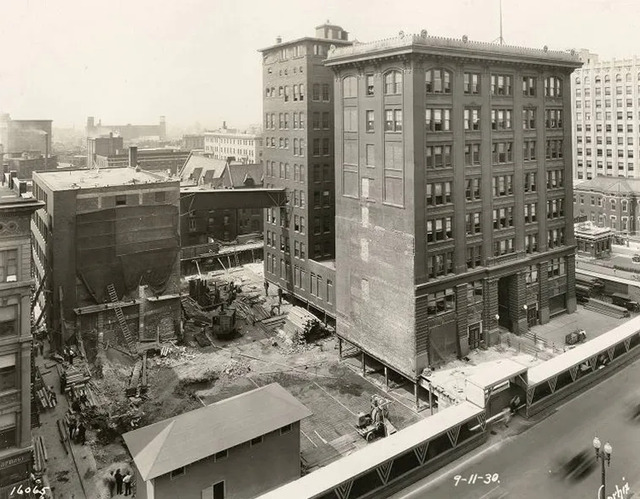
602 455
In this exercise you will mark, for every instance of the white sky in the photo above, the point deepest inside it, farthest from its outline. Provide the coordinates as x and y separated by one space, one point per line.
130 61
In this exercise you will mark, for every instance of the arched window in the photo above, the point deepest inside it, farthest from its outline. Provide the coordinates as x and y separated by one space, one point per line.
618 78
627 77
577 81
438 81
586 80
393 83
607 78
597 80
350 87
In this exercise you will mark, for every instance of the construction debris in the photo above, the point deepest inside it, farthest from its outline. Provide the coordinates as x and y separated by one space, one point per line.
301 326
138 381
40 455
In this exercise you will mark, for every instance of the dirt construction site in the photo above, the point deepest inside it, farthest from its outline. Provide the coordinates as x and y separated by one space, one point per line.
249 341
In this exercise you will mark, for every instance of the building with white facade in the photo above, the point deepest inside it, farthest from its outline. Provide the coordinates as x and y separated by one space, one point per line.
225 143
606 118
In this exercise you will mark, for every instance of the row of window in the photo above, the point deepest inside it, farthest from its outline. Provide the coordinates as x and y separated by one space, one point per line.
283 121
600 166
599 128
297 93
608 104
440 156
624 204
609 140
284 171
613 219
608 153
607 78
283 143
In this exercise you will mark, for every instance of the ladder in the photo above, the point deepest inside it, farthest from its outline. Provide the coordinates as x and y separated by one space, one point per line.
121 320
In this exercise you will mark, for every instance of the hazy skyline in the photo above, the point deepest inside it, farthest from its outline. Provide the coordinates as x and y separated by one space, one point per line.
196 61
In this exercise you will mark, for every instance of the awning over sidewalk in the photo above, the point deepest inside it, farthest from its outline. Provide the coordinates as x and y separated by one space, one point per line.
578 355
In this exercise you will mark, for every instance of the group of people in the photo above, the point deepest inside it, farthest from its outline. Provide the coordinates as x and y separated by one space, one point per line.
77 431
118 482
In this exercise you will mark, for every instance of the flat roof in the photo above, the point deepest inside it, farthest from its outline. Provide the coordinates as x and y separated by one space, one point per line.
367 458
85 178
306 39
582 353
10 198
425 43
162 447
493 373
589 229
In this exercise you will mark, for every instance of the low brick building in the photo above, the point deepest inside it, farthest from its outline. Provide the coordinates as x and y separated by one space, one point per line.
612 202
237 448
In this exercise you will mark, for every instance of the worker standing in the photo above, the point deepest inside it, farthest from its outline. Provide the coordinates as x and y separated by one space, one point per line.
266 287
279 296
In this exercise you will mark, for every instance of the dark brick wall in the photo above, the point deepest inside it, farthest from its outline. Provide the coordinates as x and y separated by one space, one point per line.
462 319
543 302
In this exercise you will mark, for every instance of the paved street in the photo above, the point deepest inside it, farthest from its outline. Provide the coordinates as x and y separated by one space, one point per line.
527 463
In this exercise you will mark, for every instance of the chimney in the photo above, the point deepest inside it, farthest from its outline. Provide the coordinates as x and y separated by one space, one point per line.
46 150
133 156
224 125
279 39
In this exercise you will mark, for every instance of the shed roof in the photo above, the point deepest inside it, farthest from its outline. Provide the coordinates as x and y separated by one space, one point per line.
162 447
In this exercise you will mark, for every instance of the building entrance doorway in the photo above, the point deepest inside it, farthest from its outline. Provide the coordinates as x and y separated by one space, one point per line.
506 300
532 315
475 335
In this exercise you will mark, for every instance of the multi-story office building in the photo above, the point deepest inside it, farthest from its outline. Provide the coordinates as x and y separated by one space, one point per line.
113 228
298 155
230 143
606 118
15 338
453 171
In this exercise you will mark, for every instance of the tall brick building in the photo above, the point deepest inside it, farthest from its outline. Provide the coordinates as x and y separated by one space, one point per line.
15 339
298 155
453 195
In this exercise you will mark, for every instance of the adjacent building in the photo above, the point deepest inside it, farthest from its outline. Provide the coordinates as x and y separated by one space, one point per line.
160 160
238 448
112 228
299 151
453 175
28 162
609 202
128 132
15 338
606 118
233 144
202 226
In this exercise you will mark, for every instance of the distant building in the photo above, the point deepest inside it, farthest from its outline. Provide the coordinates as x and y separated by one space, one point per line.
18 136
15 339
240 448
193 142
230 143
109 227
28 162
609 202
107 145
161 160
128 132
225 224
606 118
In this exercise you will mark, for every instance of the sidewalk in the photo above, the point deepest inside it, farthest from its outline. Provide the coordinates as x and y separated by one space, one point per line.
71 475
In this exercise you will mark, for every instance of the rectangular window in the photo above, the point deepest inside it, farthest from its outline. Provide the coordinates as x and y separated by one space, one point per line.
9 265
502 152
528 86
287 428
529 119
8 435
370 87
350 119
553 118
438 156
501 119
178 472
501 85
472 119
438 120
471 83
472 154
370 121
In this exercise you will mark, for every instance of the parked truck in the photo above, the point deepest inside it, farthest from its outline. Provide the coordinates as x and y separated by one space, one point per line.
625 301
